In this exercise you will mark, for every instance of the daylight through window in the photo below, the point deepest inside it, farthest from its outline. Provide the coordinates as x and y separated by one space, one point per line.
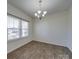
17 28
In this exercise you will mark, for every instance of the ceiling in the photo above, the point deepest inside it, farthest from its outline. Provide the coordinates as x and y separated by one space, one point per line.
51 6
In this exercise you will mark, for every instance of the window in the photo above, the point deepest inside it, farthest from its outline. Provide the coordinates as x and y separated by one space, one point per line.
24 28
17 28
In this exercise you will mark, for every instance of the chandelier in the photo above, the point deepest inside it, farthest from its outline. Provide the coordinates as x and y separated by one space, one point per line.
40 13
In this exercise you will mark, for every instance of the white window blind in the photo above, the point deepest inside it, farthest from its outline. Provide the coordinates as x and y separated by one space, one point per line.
24 28
17 28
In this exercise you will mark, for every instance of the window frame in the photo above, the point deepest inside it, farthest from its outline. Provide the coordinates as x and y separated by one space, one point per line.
21 19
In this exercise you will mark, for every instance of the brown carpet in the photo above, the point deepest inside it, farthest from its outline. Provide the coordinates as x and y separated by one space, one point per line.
39 50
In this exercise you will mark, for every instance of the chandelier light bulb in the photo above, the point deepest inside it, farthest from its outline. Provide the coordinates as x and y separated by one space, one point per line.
45 12
43 15
36 14
39 11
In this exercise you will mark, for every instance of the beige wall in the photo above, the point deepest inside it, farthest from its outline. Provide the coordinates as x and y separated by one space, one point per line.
11 45
69 32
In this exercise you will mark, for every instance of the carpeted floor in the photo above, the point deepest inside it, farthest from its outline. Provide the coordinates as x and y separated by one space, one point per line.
39 50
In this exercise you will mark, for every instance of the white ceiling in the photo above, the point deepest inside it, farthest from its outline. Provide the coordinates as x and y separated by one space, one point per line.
51 6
